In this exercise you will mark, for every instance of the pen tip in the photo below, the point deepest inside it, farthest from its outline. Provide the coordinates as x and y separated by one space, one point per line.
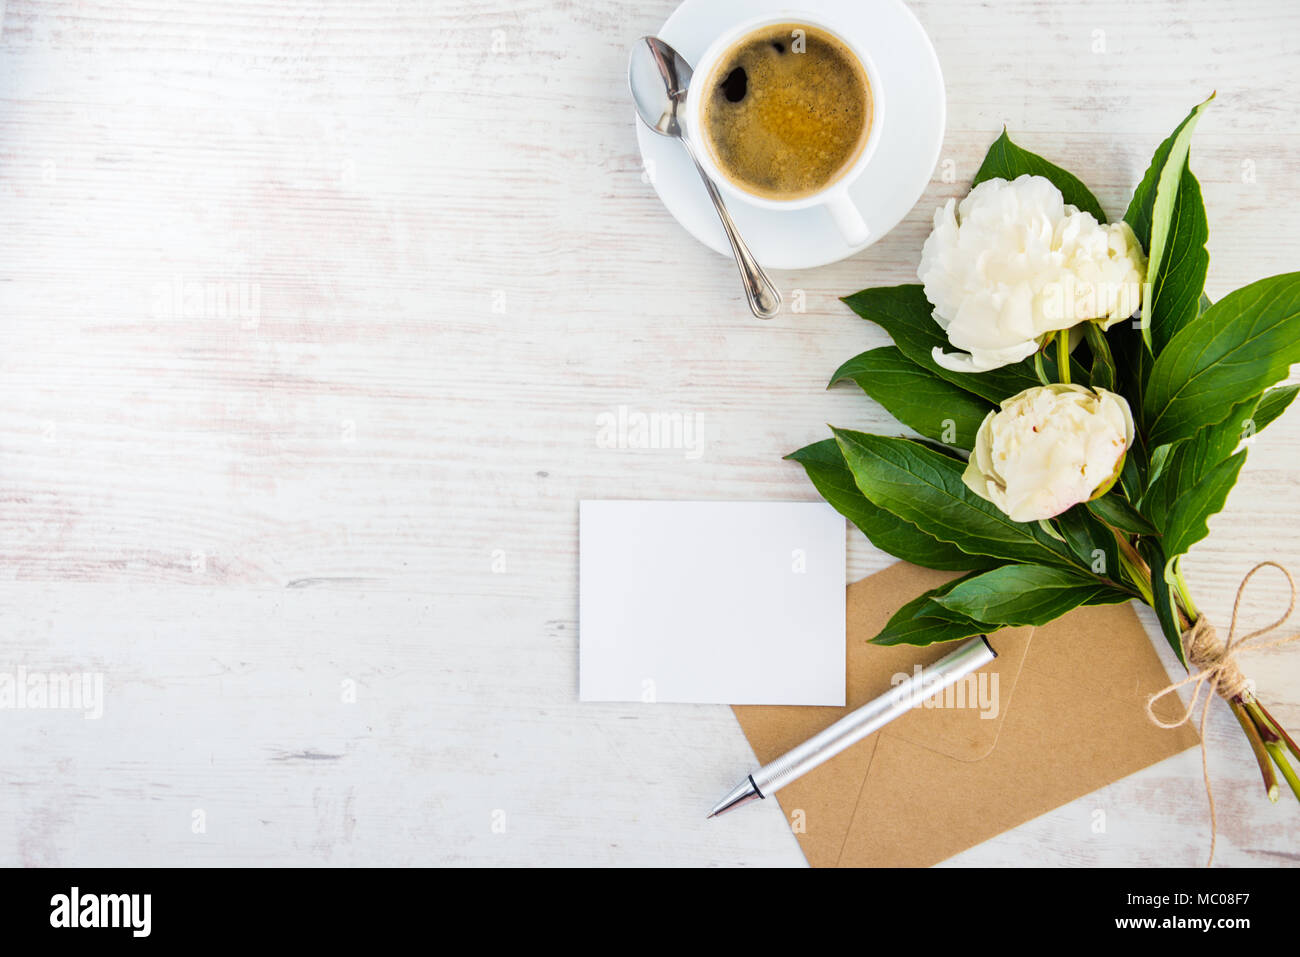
742 793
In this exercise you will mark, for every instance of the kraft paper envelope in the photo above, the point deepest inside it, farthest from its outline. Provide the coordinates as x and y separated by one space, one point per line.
1064 714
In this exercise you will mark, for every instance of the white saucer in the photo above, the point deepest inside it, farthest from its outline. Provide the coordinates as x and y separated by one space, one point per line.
893 181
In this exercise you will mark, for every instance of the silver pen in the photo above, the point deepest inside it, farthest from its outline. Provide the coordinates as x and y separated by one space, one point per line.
970 656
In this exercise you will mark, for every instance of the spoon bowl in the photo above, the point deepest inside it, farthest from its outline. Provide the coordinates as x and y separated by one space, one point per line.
659 78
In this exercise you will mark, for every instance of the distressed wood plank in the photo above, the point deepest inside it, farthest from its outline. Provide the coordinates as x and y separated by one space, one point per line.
309 311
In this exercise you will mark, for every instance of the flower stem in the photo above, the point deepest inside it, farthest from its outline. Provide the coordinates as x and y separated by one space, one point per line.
1039 370
1063 355
1131 563
1256 745
1272 741
1184 595
1142 583
1276 726
1278 754
1268 740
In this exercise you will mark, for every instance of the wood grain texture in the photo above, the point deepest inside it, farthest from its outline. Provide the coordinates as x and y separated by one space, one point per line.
308 311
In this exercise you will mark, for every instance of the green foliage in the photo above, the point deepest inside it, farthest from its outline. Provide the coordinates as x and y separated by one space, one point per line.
925 488
832 478
1006 160
1168 217
1238 347
917 397
1162 600
917 623
1027 594
1200 378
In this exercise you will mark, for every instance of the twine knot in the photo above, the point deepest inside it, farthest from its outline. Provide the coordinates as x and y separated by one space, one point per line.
1216 672
1213 658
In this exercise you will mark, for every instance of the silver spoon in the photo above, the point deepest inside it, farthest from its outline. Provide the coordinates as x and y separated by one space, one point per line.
659 77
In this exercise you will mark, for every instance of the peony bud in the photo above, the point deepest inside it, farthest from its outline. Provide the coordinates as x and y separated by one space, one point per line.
1050 448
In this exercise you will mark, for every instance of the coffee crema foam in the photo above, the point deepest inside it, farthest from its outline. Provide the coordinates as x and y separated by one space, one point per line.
787 110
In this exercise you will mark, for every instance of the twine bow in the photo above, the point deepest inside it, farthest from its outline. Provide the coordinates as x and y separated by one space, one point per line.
1217 672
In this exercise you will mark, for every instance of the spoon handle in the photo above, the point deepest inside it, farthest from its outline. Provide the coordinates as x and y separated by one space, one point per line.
763 297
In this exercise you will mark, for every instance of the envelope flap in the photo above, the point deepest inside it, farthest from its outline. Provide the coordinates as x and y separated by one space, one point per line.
1078 722
821 805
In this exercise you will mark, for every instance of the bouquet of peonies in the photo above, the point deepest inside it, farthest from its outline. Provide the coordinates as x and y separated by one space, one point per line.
1080 402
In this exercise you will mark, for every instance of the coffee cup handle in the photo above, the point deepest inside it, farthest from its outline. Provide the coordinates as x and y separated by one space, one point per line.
851 225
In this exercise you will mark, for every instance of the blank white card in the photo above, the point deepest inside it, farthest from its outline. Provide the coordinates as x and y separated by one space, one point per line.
711 602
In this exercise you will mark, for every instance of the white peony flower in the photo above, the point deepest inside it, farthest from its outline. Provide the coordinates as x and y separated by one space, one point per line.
1048 448
1014 262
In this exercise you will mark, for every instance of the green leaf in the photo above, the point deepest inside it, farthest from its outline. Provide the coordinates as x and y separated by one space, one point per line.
1133 362
1132 478
1102 374
1188 462
1140 212
1163 191
1272 404
929 631
1113 509
1162 596
1176 288
1187 523
942 449
917 397
1241 345
1090 540
1027 594
1214 443
1007 160
832 478
911 625
1158 459
925 488
908 317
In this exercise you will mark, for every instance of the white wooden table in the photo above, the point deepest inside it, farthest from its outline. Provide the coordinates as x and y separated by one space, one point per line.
308 312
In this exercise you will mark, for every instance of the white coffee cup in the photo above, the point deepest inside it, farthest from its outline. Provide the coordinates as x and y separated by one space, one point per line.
835 196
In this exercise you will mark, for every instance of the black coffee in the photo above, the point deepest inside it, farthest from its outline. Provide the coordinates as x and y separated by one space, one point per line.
788 109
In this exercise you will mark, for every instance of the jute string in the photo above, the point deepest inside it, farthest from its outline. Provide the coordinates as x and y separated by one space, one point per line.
1216 672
